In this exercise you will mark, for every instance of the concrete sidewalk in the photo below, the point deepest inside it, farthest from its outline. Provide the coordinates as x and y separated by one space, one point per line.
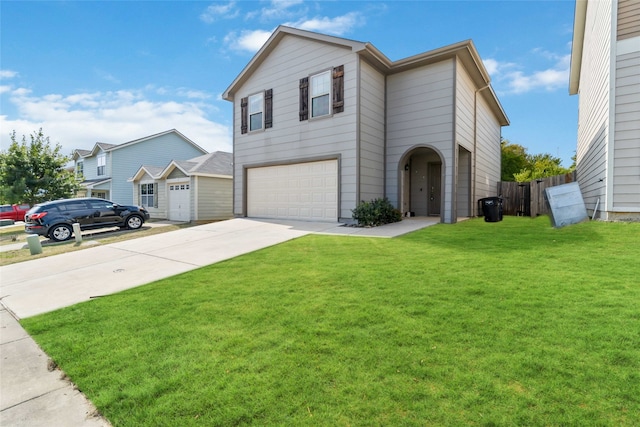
32 395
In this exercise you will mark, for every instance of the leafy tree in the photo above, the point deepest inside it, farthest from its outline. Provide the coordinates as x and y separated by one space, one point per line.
520 166
34 172
514 159
541 166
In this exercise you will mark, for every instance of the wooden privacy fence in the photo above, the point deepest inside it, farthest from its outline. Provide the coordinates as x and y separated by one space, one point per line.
527 198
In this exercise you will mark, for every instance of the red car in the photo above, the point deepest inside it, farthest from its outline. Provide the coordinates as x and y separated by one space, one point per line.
13 212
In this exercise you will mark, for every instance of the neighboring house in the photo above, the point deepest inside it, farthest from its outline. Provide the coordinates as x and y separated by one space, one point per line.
322 123
106 168
187 190
605 72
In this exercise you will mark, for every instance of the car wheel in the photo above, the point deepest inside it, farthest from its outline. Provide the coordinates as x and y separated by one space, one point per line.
134 222
60 232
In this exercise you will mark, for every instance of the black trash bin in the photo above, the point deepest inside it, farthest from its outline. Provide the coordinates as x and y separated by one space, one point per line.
491 208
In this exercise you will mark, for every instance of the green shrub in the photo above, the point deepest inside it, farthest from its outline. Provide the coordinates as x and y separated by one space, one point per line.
376 212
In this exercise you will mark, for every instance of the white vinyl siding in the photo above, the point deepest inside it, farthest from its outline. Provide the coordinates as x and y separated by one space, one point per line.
593 105
626 163
291 140
371 133
420 111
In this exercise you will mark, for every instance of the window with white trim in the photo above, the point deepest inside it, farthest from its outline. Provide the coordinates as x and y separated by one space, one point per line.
79 170
321 94
102 162
148 195
256 111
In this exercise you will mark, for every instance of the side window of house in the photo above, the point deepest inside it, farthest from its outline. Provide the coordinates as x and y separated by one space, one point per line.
79 170
322 93
148 195
256 111
102 162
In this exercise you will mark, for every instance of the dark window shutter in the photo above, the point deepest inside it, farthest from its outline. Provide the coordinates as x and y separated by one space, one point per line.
338 89
155 194
304 99
268 108
244 112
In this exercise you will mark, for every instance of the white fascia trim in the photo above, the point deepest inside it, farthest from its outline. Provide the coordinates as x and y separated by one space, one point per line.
610 146
627 46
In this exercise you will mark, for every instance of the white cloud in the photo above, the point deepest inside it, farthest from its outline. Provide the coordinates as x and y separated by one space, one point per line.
8 74
338 26
252 40
509 78
80 120
247 41
277 9
219 11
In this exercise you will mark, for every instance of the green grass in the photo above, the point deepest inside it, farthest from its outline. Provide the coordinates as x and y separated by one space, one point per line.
510 323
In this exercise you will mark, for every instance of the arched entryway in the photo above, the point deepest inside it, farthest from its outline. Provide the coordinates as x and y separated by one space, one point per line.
421 183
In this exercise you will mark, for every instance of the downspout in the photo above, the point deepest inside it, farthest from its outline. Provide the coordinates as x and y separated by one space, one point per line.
473 203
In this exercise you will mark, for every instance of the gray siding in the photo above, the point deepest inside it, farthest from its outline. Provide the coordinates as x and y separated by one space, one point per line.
127 160
420 112
626 163
213 197
593 105
290 140
371 133
487 151
464 107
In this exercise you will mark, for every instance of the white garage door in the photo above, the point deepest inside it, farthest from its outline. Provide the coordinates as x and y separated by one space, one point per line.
304 191
179 207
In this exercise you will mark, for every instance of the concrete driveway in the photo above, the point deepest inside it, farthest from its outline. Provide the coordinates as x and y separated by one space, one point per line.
34 394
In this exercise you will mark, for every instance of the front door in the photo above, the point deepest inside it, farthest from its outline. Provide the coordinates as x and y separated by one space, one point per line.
434 172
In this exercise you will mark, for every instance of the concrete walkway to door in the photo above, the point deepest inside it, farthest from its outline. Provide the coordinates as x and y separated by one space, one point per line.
30 394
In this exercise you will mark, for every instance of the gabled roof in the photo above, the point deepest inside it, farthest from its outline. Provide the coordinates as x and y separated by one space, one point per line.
217 165
465 50
101 146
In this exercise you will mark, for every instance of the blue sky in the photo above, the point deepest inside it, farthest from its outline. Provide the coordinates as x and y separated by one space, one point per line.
114 71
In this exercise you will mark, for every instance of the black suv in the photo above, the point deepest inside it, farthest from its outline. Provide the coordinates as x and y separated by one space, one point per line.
55 219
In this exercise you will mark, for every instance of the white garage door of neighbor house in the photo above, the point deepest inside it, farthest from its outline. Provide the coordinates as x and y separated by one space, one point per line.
304 191
179 206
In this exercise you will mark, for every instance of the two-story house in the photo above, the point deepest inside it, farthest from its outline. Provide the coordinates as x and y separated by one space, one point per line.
605 73
105 170
322 123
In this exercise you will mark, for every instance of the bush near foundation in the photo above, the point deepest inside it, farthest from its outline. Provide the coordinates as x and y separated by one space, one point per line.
376 212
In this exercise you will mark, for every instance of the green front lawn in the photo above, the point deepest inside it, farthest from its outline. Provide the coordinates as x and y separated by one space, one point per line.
510 323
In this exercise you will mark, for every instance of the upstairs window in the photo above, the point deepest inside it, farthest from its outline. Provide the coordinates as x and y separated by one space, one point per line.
322 93
102 162
256 111
79 170
256 106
